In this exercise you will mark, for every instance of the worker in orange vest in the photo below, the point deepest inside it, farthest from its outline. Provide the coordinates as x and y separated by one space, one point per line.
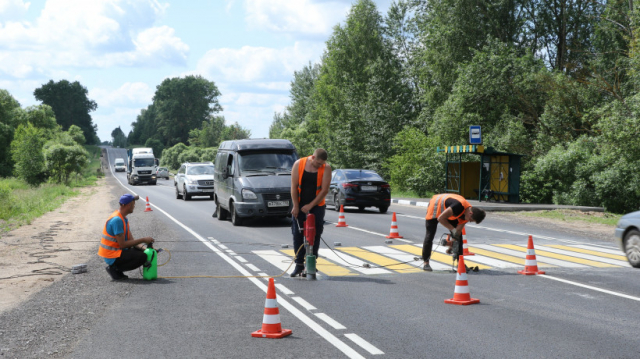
453 212
119 249
310 179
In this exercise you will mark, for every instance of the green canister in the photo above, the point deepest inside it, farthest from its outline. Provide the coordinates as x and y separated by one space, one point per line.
150 268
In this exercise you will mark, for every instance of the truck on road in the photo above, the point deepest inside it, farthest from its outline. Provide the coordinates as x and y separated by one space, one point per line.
142 166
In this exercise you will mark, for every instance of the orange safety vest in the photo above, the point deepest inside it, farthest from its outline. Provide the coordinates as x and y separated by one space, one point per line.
109 247
437 206
301 166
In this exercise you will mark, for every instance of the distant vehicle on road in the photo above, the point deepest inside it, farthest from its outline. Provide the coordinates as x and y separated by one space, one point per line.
162 172
628 235
120 165
194 179
358 188
142 166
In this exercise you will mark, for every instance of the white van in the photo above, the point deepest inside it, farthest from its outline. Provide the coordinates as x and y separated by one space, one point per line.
120 165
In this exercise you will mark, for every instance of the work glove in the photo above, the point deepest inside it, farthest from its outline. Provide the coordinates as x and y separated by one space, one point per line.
456 235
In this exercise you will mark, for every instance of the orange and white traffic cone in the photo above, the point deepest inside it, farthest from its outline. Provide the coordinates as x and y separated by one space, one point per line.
394 228
530 262
461 294
148 209
341 220
271 327
465 248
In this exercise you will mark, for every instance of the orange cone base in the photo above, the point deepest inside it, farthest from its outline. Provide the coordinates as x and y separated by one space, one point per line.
148 209
525 272
342 225
468 254
462 302
277 335
394 235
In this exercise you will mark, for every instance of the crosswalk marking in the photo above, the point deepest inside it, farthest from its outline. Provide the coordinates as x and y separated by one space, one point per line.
379 260
598 253
400 258
563 257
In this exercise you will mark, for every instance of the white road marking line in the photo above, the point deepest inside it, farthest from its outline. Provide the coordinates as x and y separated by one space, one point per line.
276 258
263 274
622 295
306 305
376 233
539 258
481 259
600 249
241 259
284 289
222 246
231 252
335 341
364 344
583 256
213 240
252 267
330 321
404 257
350 262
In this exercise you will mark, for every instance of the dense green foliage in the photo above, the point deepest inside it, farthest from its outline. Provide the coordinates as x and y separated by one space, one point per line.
554 81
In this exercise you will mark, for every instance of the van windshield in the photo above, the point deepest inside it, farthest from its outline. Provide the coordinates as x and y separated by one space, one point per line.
266 161
144 162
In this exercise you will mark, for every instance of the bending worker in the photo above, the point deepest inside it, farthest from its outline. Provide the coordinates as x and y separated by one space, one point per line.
453 212
310 178
119 249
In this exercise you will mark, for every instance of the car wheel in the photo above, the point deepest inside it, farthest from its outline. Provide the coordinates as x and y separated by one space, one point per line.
383 209
178 195
221 212
185 195
336 202
235 219
632 247
361 208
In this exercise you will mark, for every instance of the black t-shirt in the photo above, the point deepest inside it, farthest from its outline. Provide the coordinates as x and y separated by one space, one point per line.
455 205
309 185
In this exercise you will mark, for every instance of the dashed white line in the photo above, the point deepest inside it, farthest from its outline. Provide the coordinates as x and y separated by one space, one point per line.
252 267
241 259
364 344
622 295
332 322
284 289
306 305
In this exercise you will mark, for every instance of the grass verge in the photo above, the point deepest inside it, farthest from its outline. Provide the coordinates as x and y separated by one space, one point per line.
577 216
408 194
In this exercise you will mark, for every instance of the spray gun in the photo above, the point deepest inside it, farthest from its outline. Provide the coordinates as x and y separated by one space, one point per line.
310 235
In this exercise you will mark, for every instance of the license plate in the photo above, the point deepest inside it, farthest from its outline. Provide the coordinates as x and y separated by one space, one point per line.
278 204
369 188
207 190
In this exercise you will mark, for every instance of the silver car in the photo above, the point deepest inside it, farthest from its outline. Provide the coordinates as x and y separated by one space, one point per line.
628 236
162 172
194 179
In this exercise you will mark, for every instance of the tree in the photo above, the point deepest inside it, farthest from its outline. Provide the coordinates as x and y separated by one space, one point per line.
156 145
9 111
26 151
61 159
71 106
76 133
182 104
144 127
118 138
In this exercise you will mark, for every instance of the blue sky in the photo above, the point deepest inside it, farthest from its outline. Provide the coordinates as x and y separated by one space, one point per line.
120 50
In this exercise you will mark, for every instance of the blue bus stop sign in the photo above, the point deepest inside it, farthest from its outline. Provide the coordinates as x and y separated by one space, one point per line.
475 135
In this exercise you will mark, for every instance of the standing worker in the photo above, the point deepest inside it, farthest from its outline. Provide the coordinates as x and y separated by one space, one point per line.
310 178
453 212
118 247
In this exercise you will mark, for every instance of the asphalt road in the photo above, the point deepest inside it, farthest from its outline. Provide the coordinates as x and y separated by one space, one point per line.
585 306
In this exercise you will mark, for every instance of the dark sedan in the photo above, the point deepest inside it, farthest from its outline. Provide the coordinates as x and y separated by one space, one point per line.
358 188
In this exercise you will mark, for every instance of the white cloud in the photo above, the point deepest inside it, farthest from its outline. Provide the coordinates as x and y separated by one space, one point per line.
89 34
250 64
13 9
130 94
306 17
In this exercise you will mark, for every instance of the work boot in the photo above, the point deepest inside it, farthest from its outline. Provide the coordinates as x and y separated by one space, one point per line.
115 274
426 267
298 271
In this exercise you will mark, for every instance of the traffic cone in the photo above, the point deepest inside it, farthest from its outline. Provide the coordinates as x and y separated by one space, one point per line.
341 220
394 228
461 294
530 263
465 249
271 327
148 209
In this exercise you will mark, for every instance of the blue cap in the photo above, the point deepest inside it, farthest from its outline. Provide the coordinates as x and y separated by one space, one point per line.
128 198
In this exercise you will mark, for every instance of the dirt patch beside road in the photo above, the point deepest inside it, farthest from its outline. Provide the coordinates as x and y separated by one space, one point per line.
591 230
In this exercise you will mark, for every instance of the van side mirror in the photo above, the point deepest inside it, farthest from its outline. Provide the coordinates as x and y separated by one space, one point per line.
225 173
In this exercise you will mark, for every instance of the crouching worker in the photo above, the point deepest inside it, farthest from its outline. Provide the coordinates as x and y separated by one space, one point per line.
118 247
453 212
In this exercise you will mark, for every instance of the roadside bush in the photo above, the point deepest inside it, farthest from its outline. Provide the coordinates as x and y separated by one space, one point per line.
26 151
170 156
192 154
62 160
157 146
209 154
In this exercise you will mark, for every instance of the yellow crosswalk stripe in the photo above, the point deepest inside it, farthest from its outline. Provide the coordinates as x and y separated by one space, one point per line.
438 257
380 260
587 251
326 267
559 256
504 257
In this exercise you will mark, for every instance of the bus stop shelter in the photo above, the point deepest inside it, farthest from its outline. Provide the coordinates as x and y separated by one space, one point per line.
496 176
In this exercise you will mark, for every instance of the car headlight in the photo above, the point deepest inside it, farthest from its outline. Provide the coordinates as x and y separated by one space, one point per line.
192 181
247 194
